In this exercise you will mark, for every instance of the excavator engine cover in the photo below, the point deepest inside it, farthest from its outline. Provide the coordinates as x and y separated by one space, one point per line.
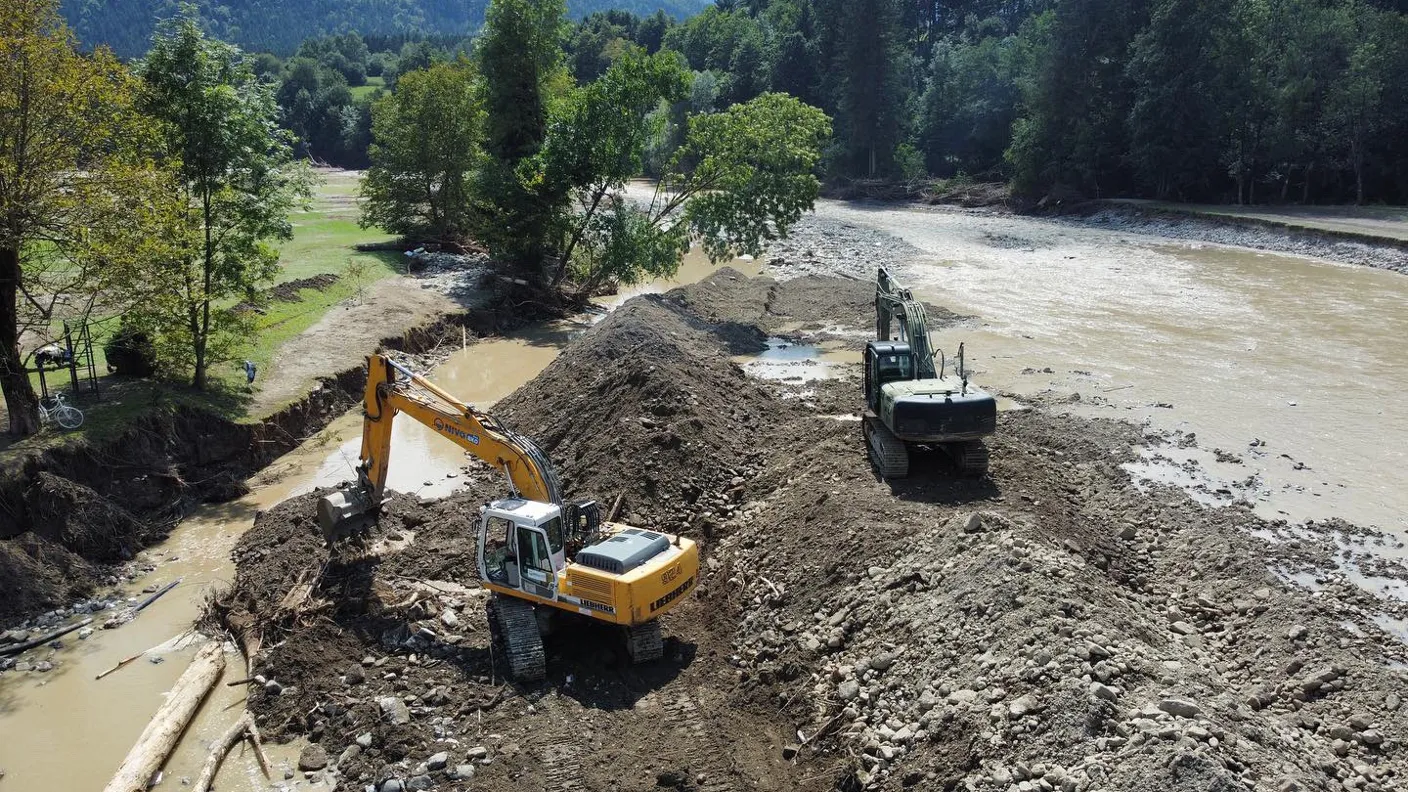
624 551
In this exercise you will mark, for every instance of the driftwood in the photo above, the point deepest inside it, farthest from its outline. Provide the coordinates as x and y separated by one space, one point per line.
27 645
218 750
159 739
124 661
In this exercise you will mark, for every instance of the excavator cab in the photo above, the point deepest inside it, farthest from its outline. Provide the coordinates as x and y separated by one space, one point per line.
885 362
522 545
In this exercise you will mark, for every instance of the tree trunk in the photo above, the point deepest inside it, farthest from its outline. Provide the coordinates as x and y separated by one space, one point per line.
20 400
159 739
577 237
203 334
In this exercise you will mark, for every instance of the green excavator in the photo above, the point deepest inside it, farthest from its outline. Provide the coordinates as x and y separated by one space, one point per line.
910 403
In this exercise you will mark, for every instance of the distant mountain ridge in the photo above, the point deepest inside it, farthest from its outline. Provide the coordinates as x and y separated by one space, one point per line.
279 26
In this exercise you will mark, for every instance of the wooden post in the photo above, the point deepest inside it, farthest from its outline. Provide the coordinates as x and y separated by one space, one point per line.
159 739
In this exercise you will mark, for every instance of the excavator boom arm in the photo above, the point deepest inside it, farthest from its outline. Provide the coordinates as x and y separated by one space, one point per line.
388 395
892 302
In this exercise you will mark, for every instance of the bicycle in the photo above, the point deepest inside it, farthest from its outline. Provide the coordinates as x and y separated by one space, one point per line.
60 412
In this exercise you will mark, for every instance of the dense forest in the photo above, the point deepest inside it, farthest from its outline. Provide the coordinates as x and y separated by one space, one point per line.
1222 100
280 26
1248 101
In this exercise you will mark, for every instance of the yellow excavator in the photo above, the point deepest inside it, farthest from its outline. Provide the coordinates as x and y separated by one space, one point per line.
616 574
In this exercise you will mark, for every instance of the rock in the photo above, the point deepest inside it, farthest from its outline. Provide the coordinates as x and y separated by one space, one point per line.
420 782
883 661
1128 532
395 710
964 696
974 524
463 771
1339 731
355 675
1296 633
1361 721
365 739
14 636
314 757
449 618
848 690
1392 701
348 754
1022 707
393 785
478 753
85 633
24 665
1183 628
904 736
1371 737
438 761
1180 708
43 666
273 688
1103 691
790 750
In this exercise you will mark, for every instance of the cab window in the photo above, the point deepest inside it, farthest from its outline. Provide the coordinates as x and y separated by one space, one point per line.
533 556
498 536
553 528
895 367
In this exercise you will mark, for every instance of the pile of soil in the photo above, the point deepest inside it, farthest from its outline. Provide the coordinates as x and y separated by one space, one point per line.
290 291
81 520
1050 626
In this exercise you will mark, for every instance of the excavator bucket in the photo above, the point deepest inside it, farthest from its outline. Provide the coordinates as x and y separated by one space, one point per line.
337 510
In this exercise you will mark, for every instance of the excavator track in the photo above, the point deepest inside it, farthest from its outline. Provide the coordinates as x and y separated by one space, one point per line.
514 626
970 457
644 643
889 453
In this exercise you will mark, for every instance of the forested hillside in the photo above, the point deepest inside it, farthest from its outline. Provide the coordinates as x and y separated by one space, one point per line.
280 25
1221 100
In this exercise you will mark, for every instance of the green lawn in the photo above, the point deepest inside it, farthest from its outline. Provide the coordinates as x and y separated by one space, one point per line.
373 85
324 241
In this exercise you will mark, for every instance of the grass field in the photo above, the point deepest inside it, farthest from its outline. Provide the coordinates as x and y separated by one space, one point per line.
373 85
324 241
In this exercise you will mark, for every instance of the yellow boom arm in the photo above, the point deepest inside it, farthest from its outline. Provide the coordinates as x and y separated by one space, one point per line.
527 468
393 389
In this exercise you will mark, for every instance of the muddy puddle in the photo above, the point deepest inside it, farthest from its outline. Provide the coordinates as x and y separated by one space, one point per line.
1289 371
64 730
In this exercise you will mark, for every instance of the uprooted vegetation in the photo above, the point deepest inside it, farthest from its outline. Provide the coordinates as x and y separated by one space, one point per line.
1051 627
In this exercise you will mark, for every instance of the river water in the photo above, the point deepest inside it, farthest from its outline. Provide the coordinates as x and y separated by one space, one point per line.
1303 357
1297 366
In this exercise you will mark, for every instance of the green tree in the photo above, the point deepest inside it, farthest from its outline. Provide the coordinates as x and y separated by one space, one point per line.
428 141
520 61
74 185
1076 97
742 179
238 184
1185 68
872 96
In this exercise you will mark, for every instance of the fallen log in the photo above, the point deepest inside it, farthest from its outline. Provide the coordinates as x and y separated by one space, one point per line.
218 750
159 739
27 645
141 606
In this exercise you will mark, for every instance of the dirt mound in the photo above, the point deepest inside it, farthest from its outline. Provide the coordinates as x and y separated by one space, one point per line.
1049 627
1054 624
37 575
750 308
649 405
82 520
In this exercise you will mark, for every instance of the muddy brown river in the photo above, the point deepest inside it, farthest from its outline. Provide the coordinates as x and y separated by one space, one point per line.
1295 366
